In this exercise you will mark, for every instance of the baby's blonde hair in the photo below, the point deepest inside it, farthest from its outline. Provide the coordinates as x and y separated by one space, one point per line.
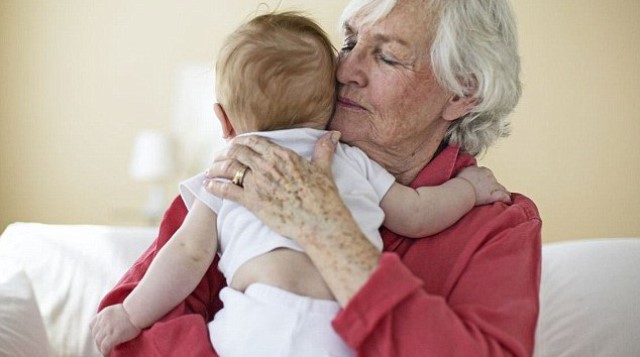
277 71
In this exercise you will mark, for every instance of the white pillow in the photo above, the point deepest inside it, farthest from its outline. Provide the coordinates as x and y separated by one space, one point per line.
21 329
589 299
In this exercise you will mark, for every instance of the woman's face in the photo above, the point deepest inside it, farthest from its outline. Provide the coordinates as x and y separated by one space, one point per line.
389 102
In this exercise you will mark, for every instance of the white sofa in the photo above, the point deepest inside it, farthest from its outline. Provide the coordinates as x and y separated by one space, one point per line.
52 277
590 299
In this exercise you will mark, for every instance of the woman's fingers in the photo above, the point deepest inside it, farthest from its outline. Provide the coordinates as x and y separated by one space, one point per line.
249 151
289 193
244 154
226 169
254 152
257 143
276 178
226 189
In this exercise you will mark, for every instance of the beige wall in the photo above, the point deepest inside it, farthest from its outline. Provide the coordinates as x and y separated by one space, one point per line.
575 147
79 79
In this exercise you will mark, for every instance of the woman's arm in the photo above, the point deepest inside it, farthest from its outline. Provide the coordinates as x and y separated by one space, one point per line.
298 199
482 303
177 269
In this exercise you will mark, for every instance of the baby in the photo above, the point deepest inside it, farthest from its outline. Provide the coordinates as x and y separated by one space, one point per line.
276 78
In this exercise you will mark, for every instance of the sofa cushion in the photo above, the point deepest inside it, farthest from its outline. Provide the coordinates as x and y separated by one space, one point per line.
589 298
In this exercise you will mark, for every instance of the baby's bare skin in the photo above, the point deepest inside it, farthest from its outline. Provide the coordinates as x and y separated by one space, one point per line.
285 269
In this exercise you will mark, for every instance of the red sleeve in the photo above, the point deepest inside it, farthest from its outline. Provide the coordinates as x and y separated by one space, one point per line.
186 323
491 310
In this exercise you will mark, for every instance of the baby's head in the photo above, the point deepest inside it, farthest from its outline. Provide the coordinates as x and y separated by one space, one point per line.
276 71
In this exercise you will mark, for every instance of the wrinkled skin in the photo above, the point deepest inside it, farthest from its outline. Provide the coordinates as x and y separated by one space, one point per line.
282 203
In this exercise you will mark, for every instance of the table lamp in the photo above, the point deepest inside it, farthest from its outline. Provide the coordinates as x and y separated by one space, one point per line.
153 163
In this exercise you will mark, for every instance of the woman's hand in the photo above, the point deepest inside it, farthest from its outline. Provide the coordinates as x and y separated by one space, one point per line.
293 196
298 199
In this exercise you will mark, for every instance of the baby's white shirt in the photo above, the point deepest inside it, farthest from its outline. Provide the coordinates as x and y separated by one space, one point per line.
362 184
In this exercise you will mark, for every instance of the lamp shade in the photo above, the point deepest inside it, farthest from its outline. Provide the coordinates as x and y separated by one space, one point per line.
152 158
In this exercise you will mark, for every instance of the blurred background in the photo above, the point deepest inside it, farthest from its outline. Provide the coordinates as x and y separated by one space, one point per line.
87 87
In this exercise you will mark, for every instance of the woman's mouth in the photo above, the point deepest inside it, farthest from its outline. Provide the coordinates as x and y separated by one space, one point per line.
349 104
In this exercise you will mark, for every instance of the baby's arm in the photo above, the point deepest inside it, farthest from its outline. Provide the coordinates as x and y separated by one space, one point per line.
428 210
177 269
172 276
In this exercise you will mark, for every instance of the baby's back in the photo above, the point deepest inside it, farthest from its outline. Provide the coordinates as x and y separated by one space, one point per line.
286 269
252 253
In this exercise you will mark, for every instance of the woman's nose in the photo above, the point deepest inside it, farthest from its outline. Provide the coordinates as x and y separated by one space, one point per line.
352 69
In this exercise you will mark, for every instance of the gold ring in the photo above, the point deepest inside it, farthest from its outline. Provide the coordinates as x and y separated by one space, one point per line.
238 178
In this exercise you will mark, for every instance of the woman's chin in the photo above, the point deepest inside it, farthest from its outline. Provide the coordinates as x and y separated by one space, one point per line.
351 126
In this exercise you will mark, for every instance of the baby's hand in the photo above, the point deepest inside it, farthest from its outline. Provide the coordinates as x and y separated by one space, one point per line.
485 185
112 327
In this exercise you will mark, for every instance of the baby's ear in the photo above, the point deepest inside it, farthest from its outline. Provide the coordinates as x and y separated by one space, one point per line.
228 132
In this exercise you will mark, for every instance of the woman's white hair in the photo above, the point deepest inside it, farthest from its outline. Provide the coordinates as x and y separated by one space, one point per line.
474 53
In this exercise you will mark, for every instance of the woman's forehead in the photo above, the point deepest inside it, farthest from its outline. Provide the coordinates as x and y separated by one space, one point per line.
404 24
411 15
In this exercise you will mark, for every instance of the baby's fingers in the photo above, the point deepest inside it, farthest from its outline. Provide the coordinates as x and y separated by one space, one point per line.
501 194
105 347
100 341
99 336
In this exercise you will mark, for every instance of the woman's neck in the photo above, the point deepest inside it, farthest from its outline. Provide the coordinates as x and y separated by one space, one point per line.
410 166
413 157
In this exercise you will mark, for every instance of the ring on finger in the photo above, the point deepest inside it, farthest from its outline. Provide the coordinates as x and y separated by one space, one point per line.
238 178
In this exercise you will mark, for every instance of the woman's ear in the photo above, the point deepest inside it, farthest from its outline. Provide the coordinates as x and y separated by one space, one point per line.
458 107
228 132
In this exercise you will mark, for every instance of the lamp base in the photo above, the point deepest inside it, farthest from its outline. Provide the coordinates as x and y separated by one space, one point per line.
155 205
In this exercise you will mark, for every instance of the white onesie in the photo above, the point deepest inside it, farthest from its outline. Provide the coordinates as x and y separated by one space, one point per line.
361 182
265 320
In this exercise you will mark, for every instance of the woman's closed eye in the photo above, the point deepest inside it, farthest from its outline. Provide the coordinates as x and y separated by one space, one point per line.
386 58
348 45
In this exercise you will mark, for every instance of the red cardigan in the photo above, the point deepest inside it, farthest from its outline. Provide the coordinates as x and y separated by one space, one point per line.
471 290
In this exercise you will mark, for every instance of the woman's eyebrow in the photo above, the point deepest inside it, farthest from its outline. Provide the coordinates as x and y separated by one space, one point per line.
382 38
378 37
348 30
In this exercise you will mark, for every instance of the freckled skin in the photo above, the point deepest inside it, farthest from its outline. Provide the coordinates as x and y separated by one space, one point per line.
298 199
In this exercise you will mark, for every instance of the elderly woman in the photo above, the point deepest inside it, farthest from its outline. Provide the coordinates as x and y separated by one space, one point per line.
423 86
